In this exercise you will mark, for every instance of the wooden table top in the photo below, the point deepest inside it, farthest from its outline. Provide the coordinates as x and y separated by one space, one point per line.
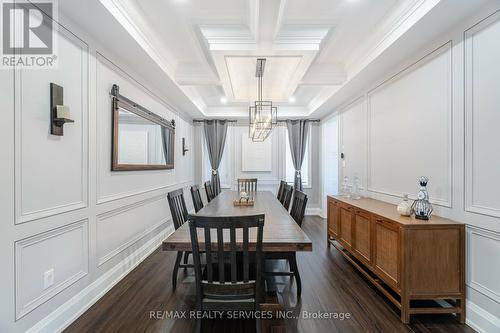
281 233
389 211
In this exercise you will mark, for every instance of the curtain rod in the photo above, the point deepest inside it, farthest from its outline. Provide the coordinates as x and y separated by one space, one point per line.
120 101
235 121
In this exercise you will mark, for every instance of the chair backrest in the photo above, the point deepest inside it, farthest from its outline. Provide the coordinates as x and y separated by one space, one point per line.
221 259
280 190
286 197
195 194
177 207
247 184
299 207
209 191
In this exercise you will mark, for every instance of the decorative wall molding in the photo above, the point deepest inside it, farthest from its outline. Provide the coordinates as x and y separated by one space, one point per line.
470 204
65 314
104 216
480 319
473 235
22 245
23 216
445 48
103 199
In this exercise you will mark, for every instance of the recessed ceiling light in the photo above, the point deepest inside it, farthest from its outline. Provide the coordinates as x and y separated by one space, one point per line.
291 99
223 99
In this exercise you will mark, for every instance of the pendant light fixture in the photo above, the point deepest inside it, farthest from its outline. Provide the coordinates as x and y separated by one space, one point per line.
262 115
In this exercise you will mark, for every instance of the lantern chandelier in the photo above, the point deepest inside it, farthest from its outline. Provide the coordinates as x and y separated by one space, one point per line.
262 115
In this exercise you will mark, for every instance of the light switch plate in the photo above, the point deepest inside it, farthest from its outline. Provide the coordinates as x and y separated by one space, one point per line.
48 278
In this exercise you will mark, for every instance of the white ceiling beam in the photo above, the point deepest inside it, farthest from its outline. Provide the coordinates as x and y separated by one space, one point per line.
228 37
324 75
194 74
254 17
301 37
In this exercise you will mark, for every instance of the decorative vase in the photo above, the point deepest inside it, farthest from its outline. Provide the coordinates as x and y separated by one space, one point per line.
355 194
404 208
346 188
422 207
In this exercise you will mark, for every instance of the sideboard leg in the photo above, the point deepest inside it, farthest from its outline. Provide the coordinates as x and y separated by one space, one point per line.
461 316
405 310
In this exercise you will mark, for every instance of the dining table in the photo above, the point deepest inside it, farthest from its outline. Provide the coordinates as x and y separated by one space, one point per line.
281 232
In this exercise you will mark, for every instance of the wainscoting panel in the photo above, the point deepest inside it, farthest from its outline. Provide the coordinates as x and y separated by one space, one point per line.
482 78
352 141
52 171
65 250
118 185
118 229
410 127
483 261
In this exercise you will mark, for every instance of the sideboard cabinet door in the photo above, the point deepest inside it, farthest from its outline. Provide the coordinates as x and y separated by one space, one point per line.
346 223
333 218
387 251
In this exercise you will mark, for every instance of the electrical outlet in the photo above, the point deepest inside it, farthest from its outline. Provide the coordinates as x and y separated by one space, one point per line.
48 278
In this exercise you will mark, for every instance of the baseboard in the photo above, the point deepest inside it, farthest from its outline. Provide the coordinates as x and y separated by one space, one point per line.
68 312
313 211
481 320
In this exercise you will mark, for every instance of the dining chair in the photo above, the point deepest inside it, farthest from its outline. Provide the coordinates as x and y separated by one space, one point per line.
247 184
297 212
299 207
226 283
179 214
196 196
280 190
209 191
286 197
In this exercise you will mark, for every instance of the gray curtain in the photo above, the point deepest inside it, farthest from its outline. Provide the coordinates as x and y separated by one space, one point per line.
215 136
167 136
297 138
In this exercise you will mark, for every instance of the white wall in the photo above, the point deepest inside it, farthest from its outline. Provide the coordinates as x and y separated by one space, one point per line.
437 115
62 208
267 180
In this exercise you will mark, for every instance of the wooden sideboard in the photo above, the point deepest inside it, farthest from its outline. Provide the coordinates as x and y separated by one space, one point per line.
418 265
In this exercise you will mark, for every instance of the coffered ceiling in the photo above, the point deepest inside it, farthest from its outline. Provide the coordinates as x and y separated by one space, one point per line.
314 48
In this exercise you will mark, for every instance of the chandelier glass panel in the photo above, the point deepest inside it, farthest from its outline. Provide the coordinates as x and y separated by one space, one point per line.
262 115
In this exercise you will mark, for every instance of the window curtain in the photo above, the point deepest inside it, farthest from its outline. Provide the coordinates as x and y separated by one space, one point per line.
215 136
297 138
167 136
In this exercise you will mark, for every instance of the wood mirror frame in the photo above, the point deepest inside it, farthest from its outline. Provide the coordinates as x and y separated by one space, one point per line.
121 102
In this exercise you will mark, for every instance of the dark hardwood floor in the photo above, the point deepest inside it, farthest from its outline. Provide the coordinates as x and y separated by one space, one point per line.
329 284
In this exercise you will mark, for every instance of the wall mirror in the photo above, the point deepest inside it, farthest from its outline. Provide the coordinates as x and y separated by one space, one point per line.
142 140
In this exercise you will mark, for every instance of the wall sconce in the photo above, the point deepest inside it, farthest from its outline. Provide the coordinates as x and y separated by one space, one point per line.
184 148
59 114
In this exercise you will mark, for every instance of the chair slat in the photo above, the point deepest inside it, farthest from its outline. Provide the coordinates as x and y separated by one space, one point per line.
232 237
208 254
245 255
220 254
247 184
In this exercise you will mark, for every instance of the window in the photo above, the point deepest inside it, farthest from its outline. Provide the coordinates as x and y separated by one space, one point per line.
306 163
